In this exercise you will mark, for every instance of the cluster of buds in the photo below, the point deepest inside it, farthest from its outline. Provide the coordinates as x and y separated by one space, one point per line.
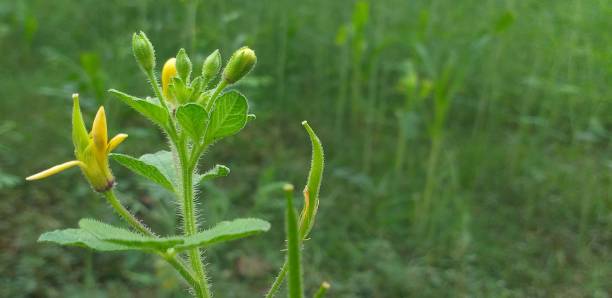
178 87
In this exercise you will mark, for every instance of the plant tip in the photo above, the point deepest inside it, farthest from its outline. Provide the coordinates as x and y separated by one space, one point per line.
288 187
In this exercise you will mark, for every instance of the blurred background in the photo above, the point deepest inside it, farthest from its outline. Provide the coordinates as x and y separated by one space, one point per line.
467 143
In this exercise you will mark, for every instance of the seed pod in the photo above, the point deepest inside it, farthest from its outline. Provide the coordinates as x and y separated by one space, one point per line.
143 51
239 65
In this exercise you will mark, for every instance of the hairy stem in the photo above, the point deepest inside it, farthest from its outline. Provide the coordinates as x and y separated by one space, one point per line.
189 217
125 214
278 281
136 224
211 103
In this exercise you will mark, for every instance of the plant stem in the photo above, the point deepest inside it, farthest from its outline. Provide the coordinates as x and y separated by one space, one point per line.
189 217
293 247
126 215
185 273
213 98
278 281
153 81
136 224
322 290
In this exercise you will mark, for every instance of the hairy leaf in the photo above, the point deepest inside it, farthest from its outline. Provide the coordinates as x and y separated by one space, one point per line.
125 237
149 109
163 161
82 238
228 116
193 119
216 172
145 168
226 231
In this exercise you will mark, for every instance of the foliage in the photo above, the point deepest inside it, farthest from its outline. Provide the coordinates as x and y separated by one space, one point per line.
519 199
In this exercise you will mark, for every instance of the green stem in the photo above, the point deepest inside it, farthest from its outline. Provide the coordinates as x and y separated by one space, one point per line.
153 81
278 281
189 218
213 98
322 290
185 273
136 224
126 215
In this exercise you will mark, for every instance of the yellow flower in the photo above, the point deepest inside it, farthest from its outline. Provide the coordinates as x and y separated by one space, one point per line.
91 150
168 72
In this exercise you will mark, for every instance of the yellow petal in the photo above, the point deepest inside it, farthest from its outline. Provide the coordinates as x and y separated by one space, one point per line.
56 169
98 131
168 72
116 140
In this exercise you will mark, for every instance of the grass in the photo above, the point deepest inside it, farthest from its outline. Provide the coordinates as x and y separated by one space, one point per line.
517 199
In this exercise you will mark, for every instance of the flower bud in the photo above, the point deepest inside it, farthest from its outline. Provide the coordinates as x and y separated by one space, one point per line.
183 65
143 51
211 66
168 72
239 65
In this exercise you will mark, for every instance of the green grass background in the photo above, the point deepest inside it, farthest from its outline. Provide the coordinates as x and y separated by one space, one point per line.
504 188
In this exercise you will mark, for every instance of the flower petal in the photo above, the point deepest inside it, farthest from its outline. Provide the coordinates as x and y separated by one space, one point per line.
168 72
99 131
56 169
115 141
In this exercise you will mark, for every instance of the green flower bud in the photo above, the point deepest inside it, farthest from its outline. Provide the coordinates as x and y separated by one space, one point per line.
183 65
211 66
239 65
143 51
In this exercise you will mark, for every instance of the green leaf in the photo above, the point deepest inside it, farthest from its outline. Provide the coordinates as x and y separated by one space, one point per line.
193 119
145 168
164 161
229 115
125 237
226 231
81 238
149 109
216 172
313 185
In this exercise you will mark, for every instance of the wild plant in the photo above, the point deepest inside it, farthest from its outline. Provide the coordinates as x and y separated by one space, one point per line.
194 111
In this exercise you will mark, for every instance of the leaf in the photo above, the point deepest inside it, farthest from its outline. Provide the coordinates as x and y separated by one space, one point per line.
216 172
125 237
164 162
153 111
229 115
226 231
193 119
82 238
313 185
145 169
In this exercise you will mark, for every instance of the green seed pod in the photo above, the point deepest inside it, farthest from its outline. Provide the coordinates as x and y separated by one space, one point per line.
183 65
143 51
211 66
239 65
